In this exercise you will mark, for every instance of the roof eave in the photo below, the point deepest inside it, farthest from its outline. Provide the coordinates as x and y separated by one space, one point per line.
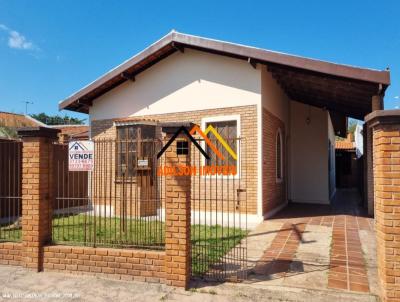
235 50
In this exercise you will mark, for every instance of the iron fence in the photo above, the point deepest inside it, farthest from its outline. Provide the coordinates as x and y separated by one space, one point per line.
219 213
117 204
10 190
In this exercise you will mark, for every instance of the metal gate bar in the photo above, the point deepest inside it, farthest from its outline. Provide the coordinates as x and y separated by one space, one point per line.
118 204
219 218
10 190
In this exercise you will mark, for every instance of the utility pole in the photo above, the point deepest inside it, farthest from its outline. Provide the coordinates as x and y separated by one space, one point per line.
26 106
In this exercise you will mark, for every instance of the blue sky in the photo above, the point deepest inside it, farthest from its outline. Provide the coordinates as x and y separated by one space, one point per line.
50 49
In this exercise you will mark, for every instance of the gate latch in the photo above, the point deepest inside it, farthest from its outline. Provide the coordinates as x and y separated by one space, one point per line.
240 196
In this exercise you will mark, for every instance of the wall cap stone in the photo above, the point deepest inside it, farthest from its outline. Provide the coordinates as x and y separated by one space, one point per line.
383 117
38 132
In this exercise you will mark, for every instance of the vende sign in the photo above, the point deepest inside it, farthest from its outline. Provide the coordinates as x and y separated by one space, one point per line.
80 156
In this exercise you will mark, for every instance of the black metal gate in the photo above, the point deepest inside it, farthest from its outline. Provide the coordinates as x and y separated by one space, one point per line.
10 190
117 204
219 212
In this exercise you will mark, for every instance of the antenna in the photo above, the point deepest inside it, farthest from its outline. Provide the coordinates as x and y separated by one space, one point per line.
26 106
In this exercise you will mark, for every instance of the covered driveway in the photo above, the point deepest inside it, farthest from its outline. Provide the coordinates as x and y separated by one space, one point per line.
325 247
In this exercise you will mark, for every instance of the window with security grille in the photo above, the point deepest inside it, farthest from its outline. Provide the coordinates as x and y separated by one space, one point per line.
133 142
228 130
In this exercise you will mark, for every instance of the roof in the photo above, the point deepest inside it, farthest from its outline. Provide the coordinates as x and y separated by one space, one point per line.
303 79
71 129
15 120
345 145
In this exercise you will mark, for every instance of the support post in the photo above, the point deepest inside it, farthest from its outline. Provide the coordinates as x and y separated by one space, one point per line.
36 193
177 218
385 130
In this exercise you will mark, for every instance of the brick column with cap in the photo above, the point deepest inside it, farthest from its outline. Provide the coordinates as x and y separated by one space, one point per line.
177 218
36 193
385 128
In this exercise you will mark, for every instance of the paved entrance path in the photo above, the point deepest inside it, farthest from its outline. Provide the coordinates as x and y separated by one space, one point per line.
317 247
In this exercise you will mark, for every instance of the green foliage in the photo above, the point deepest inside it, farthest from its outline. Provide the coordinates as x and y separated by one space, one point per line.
352 126
209 243
7 132
57 119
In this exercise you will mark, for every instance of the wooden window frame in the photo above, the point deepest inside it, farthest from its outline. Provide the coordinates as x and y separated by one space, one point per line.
138 141
225 118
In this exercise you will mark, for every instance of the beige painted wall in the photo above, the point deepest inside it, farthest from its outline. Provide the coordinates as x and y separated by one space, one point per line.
332 174
309 154
273 98
187 81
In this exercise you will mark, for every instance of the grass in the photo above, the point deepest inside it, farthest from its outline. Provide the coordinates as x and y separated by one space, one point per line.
209 243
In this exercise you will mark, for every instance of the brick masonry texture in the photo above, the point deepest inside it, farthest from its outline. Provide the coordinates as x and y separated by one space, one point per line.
274 194
177 225
125 264
10 253
248 116
386 158
36 184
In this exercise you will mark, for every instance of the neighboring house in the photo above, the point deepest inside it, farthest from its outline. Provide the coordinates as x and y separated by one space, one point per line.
71 132
9 122
279 105
347 166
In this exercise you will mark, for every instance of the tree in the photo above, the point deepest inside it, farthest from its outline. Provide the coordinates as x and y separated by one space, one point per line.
57 119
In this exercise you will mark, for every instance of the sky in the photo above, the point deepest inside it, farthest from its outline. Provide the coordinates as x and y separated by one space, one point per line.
51 49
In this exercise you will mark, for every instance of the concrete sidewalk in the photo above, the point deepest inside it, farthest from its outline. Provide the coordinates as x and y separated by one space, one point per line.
18 284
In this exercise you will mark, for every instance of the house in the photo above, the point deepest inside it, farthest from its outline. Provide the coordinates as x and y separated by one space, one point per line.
9 122
71 132
285 109
347 165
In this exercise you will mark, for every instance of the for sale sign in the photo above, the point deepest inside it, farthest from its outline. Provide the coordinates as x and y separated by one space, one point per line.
80 156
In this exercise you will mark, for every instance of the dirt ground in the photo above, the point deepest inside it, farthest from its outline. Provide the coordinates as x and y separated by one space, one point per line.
18 284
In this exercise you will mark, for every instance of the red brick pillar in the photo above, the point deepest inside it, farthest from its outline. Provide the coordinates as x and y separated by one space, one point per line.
36 193
385 126
177 219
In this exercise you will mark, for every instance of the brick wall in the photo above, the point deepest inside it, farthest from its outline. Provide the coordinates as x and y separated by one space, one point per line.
10 253
105 129
274 194
139 265
36 194
386 158
177 225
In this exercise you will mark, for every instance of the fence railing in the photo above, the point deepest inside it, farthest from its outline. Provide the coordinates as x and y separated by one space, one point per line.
219 212
10 190
118 204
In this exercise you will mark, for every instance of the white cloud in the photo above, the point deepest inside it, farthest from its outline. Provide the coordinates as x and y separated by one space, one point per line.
397 97
396 107
17 40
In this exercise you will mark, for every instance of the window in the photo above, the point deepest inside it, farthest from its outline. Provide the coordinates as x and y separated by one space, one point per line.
182 147
133 142
228 127
279 156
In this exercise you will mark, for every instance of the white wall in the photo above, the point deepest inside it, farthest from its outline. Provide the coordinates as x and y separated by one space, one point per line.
308 154
273 97
187 81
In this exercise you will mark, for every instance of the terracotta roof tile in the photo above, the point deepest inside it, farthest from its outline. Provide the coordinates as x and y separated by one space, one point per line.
14 120
344 145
